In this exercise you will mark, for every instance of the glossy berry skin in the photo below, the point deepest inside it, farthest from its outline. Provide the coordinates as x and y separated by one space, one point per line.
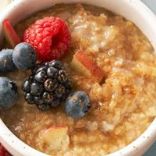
50 37
26 86
8 92
56 64
6 63
24 56
36 89
44 87
77 104
41 76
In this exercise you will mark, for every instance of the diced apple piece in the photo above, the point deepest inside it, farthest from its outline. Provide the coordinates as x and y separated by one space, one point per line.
10 33
55 138
83 64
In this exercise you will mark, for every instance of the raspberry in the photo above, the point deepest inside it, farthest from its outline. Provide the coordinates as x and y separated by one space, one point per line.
3 152
50 37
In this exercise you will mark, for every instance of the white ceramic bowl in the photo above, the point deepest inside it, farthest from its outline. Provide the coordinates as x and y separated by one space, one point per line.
133 10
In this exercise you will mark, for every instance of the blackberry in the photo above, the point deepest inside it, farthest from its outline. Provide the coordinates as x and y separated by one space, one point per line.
48 85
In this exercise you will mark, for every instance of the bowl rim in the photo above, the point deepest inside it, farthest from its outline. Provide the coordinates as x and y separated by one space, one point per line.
8 139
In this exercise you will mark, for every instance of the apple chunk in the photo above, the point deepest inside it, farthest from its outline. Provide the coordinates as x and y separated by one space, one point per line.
55 138
10 33
83 64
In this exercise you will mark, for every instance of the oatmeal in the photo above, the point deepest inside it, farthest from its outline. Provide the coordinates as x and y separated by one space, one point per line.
123 103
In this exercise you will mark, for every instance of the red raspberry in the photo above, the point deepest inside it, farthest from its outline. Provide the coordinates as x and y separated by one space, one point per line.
50 37
3 152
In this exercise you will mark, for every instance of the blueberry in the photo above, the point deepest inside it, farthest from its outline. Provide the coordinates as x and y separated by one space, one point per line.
24 56
6 63
8 92
77 104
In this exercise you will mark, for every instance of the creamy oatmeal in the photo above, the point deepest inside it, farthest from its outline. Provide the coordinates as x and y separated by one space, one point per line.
123 104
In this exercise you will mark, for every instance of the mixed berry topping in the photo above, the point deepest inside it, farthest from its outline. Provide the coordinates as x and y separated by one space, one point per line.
48 86
21 57
50 37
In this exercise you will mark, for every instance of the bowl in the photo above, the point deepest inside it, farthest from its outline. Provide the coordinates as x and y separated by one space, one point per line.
133 10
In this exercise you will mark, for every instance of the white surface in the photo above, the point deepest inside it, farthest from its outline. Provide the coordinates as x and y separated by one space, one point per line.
131 9
4 3
151 4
